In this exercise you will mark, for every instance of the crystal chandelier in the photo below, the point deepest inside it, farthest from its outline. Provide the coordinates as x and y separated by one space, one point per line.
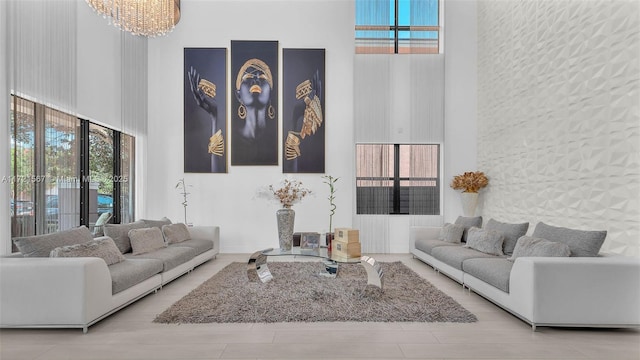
140 17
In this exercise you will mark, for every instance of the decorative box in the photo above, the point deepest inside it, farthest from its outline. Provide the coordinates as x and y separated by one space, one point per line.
343 249
347 235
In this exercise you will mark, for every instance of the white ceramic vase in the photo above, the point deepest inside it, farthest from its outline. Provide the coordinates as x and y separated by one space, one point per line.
469 203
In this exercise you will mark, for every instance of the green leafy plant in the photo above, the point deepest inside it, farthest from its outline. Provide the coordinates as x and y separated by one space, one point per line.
331 181
182 186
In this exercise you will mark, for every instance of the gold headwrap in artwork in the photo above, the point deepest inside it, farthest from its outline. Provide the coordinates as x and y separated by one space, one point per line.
258 64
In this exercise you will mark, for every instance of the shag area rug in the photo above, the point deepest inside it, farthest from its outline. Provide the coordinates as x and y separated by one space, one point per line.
298 293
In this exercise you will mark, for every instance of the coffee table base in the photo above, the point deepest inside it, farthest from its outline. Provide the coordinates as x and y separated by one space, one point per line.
257 269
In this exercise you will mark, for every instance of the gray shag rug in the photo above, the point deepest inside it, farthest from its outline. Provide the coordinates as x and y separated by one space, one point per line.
298 293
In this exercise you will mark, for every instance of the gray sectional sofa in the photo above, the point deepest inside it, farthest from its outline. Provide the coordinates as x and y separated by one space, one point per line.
554 277
71 280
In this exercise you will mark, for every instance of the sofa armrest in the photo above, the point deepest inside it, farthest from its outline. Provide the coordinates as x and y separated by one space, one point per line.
422 232
602 290
207 233
53 291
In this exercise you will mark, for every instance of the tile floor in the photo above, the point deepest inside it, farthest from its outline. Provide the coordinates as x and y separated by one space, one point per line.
131 334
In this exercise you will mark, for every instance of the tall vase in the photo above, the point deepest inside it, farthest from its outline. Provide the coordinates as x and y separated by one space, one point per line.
469 203
285 218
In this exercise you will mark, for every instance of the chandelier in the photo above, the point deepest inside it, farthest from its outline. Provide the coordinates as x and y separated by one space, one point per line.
140 17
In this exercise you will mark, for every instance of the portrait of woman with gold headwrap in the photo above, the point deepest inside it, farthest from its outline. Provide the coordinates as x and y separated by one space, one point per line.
254 115
205 99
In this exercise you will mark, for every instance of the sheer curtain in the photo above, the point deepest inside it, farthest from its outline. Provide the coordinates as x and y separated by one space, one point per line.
384 94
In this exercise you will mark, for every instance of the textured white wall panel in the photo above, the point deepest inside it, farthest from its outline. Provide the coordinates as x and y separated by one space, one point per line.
559 115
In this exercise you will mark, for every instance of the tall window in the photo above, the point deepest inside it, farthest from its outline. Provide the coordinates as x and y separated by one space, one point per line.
398 26
53 187
398 179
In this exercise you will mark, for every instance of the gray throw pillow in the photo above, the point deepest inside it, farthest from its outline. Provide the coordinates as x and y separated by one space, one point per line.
468 222
531 246
41 245
486 241
580 242
120 234
157 223
511 233
176 233
101 247
146 240
451 233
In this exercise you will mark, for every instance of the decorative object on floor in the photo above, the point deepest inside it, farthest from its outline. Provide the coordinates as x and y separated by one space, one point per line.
140 17
287 193
205 110
470 183
298 293
375 275
254 108
182 186
303 111
257 268
331 181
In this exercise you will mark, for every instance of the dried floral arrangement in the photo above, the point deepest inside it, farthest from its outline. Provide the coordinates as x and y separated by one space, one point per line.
470 182
288 192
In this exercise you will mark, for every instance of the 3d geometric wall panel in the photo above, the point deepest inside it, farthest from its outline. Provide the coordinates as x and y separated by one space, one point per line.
559 115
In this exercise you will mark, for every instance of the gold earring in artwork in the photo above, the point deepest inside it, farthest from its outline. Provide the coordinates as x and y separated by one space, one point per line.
272 112
242 112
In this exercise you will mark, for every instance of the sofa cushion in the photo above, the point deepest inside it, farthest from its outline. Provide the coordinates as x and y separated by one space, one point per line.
511 233
455 255
120 234
176 233
199 245
146 240
42 245
468 222
157 223
169 256
530 246
580 242
486 241
494 271
451 233
102 247
427 245
130 272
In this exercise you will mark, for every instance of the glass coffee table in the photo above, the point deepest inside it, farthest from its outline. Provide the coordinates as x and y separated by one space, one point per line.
257 268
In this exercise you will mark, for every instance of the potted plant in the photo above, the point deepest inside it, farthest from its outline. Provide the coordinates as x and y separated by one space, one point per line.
331 181
182 186
470 183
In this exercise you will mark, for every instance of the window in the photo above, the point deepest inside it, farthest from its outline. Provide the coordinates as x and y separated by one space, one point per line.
66 171
398 179
397 26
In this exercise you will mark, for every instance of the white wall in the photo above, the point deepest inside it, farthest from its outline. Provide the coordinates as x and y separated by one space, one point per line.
559 126
249 224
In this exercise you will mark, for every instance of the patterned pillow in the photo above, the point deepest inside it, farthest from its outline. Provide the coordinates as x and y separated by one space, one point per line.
530 246
176 233
102 247
41 245
146 240
451 233
486 241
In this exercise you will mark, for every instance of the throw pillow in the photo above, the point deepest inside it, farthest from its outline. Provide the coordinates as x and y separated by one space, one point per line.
486 241
120 234
157 223
580 242
451 233
511 233
41 245
102 247
176 233
146 240
531 246
468 222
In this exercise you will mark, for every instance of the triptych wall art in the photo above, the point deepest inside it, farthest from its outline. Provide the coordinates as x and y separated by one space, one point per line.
253 92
